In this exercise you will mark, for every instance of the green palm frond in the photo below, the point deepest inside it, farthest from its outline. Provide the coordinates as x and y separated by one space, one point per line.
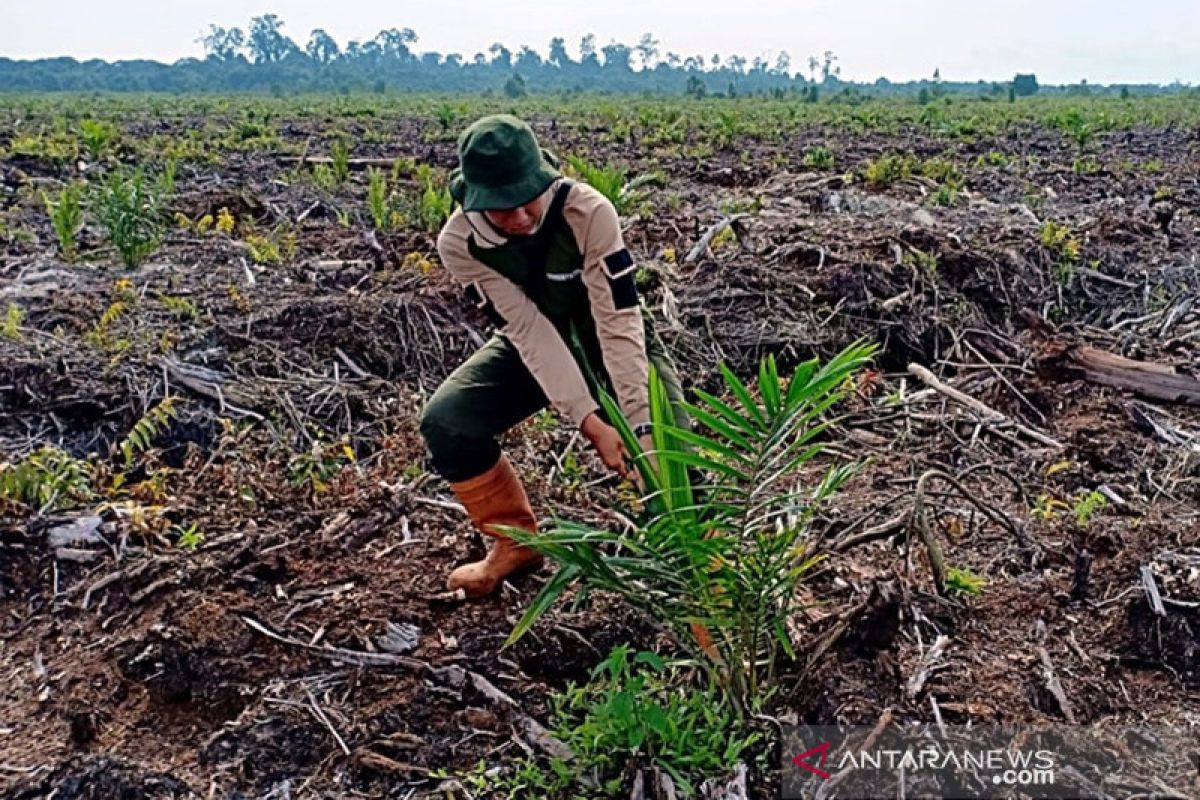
724 537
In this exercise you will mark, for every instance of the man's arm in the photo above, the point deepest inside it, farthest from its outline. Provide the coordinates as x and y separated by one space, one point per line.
608 274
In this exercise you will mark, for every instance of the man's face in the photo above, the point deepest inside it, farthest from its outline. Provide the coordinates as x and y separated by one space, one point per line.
520 221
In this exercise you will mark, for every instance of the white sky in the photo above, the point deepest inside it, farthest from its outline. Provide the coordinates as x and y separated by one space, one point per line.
1062 41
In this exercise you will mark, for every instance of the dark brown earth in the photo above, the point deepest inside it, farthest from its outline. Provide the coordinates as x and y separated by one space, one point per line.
136 674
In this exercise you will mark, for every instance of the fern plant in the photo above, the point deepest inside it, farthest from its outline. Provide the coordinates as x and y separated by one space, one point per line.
189 536
446 116
819 156
47 479
129 208
166 180
613 182
150 426
10 328
180 306
433 203
717 560
1087 506
339 155
66 215
97 136
379 199
960 581
98 336
889 168
275 247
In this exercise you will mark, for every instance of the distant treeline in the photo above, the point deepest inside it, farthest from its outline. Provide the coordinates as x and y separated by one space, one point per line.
264 59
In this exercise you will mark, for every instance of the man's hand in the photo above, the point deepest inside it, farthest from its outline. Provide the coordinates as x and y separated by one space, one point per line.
607 442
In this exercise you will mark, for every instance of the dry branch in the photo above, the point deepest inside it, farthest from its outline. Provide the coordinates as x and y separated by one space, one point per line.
988 413
712 233
357 657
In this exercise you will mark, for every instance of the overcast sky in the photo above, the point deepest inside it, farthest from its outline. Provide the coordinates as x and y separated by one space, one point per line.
1062 41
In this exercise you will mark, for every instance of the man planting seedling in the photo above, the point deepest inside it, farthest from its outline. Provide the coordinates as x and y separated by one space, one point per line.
543 258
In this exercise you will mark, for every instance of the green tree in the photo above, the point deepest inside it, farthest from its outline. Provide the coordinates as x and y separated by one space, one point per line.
587 51
528 59
1025 85
223 44
268 45
322 48
501 56
394 43
558 52
515 86
616 56
647 50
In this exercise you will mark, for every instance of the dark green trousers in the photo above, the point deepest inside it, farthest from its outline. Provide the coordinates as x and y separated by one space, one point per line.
491 392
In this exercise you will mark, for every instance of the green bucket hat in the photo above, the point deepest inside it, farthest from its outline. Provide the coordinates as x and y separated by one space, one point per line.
501 165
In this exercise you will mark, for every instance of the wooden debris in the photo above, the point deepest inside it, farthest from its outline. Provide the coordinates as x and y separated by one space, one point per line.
80 531
1054 685
875 532
1153 425
932 656
731 789
666 786
76 555
323 718
1144 378
1082 576
445 504
988 413
712 233
103 583
12 768
357 657
450 596
920 518
399 638
211 384
530 728
1152 593
377 761
1100 276
638 792
350 365
142 594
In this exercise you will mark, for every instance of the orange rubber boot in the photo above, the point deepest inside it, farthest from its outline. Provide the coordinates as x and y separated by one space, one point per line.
495 498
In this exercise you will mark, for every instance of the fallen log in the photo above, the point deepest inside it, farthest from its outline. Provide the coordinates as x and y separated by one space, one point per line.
211 384
1145 378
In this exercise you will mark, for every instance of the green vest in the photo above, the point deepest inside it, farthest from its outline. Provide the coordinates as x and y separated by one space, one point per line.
548 267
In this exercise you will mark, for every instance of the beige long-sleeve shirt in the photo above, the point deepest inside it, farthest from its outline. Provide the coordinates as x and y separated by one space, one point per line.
621 330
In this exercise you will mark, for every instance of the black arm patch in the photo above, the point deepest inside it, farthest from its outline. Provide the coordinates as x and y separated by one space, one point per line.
619 267
485 305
